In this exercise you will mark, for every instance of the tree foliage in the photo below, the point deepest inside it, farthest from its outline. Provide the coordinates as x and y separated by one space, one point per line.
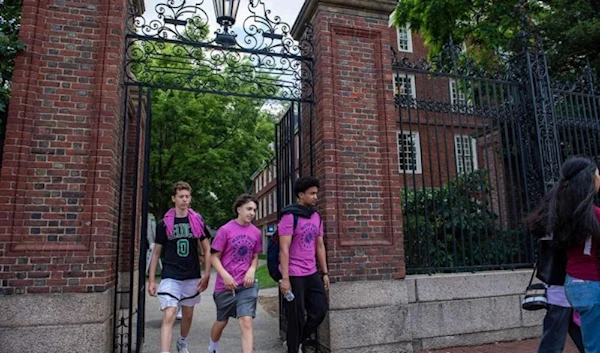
10 21
214 142
568 29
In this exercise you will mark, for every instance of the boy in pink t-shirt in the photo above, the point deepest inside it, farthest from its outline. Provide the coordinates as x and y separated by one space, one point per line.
234 256
298 246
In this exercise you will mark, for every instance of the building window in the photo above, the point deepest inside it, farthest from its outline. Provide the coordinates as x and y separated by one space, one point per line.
460 96
405 91
465 152
404 39
409 152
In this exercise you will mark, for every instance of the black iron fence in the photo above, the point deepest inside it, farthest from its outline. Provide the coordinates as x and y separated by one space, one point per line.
477 150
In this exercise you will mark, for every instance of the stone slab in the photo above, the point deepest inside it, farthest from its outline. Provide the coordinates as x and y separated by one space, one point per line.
55 309
473 285
474 339
433 319
367 294
368 326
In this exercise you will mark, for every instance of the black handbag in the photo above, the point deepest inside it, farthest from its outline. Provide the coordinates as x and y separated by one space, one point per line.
535 295
551 262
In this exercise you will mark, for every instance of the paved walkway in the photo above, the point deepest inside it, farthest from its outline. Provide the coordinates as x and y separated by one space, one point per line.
266 327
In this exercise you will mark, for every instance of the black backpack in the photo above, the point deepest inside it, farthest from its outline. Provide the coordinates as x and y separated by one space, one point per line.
273 253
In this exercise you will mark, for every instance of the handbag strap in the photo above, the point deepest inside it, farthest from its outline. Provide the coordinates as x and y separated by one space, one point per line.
533 273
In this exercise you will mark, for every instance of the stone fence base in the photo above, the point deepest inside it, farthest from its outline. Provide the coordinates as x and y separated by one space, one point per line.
428 312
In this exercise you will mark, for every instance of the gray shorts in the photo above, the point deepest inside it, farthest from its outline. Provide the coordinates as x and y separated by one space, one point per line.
243 303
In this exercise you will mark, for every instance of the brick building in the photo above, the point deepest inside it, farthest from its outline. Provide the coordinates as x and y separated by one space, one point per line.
265 191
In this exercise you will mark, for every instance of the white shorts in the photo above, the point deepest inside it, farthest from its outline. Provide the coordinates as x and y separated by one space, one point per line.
173 293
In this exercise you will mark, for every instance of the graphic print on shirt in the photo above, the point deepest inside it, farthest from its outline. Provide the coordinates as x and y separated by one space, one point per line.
182 233
243 246
308 233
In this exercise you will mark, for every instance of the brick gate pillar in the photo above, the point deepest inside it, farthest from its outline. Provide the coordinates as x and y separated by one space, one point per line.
356 159
60 178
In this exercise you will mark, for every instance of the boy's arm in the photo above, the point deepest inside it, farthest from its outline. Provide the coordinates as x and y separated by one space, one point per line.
249 277
284 260
322 257
204 243
153 262
228 280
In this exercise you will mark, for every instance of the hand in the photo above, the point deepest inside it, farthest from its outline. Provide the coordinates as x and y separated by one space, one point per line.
249 278
203 284
285 286
326 281
229 282
152 289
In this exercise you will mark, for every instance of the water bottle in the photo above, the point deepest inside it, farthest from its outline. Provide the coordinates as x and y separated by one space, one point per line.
289 296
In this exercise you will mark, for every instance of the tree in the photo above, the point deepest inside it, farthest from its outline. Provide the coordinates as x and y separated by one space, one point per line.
568 29
10 46
214 142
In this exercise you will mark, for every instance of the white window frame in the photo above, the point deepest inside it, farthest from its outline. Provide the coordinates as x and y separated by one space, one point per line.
460 99
456 96
413 85
417 146
401 32
406 28
460 157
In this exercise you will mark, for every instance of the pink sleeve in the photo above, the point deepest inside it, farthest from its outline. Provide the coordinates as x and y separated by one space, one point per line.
258 246
220 239
286 225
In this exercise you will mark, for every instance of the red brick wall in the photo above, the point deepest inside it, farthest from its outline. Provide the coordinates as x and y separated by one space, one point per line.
355 147
131 232
59 180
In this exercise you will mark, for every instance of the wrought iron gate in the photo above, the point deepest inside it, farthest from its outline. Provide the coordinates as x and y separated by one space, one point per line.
263 53
477 149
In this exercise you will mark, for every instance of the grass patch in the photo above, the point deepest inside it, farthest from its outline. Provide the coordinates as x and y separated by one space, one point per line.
262 256
263 277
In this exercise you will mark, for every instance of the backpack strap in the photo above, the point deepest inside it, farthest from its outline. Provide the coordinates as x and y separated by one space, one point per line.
295 222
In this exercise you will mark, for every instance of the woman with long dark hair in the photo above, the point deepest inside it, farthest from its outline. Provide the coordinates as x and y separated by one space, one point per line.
570 216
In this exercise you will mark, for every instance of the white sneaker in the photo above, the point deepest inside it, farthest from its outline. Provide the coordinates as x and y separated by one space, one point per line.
179 314
213 351
182 347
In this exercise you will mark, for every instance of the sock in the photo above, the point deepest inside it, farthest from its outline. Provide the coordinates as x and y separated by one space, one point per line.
213 346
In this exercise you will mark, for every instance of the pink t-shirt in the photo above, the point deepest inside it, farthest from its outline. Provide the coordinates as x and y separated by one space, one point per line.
304 242
237 244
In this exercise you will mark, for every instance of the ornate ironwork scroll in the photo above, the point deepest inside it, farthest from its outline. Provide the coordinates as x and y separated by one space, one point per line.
176 49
